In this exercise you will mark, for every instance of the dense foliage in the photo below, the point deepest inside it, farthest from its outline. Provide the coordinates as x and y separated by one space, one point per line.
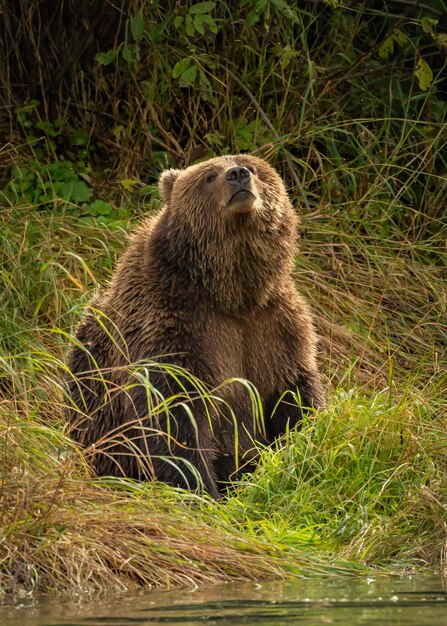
126 88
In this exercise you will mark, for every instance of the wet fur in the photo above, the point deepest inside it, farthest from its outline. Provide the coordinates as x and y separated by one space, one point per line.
211 291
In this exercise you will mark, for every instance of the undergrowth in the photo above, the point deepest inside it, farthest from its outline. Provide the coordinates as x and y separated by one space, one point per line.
336 97
361 485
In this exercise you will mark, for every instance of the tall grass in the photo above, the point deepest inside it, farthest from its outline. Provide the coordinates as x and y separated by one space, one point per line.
363 483
362 148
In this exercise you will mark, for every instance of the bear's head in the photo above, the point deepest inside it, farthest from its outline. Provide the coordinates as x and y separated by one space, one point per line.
228 224
224 187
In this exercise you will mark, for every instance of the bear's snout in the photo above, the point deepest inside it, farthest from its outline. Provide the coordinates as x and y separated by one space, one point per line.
238 177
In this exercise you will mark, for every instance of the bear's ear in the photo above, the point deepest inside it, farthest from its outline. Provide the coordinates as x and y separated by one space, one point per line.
166 183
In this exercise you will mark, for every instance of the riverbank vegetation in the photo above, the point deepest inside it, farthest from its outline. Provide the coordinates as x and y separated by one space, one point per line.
349 103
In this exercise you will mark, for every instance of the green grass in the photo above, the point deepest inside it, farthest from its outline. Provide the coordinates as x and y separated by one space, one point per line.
362 485
361 145
356 481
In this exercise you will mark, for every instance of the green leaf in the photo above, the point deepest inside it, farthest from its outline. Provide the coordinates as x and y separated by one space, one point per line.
146 88
188 76
214 139
105 58
178 21
137 27
247 135
129 183
27 108
189 26
287 56
202 7
61 170
76 191
441 39
424 74
202 22
48 128
127 54
428 24
386 48
399 37
156 34
100 207
260 7
253 18
180 67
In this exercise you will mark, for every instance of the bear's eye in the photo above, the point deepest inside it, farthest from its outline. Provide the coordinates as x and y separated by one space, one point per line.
210 177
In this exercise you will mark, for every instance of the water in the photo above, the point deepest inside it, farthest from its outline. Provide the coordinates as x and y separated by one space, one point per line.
402 601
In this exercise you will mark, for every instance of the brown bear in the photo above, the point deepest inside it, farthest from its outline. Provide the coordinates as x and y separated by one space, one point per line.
205 285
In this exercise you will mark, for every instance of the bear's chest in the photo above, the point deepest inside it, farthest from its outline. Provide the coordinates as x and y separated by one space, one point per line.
253 348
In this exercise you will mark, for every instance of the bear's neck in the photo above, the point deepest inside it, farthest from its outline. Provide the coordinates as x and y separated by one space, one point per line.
236 268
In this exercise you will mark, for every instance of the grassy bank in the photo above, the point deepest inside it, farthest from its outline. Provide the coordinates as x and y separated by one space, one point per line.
364 483
349 103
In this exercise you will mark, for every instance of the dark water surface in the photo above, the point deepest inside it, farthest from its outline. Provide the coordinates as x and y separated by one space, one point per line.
404 601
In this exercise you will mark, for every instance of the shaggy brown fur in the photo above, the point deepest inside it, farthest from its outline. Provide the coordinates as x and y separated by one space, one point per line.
205 285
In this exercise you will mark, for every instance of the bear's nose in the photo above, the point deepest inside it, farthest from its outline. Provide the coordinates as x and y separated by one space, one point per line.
238 177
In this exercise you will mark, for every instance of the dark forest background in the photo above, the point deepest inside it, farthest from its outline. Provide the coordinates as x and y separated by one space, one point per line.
106 91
